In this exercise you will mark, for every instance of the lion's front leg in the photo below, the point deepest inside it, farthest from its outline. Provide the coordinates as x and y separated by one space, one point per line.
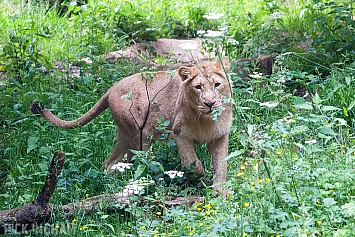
188 155
219 150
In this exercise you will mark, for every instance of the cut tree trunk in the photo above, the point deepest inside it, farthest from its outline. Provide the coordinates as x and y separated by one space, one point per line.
38 212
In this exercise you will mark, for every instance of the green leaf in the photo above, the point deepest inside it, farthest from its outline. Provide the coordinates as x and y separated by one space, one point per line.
303 105
166 123
234 154
352 104
104 216
139 171
250 129
156 166
44 150
345 111
342 122
329 108
348 80
328 202
110 226
32 143
327 131
317 100
313 148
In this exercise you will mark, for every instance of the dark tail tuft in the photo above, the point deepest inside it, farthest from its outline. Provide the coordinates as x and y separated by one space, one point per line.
36 108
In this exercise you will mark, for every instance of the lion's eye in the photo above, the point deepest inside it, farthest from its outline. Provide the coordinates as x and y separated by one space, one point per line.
198 87
217 84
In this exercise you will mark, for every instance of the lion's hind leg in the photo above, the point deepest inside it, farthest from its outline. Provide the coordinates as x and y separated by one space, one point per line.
121 152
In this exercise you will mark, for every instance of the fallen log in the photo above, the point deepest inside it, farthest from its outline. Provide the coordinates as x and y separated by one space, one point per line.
38 212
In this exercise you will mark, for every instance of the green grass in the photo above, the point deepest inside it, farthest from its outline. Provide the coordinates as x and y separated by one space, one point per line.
291 162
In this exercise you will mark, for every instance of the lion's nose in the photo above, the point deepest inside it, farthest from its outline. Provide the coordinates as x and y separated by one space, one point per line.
209 103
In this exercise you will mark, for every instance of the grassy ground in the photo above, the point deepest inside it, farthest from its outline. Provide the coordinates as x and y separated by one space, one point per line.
306 187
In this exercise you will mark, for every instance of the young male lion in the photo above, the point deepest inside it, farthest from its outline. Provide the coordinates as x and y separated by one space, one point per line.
187 99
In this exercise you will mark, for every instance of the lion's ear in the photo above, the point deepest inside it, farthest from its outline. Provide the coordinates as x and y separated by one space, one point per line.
186 72
224 64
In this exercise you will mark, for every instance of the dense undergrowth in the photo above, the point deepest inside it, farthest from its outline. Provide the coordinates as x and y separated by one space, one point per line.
291 162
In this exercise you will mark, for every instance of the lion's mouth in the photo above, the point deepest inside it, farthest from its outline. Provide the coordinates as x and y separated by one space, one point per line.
209 110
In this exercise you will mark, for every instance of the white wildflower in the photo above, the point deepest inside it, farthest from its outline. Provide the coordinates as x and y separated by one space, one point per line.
135 186
213 16
256 75
173 173
313 141
132 189
121 167
287 119
269 105
232 42
276 15
201 32
223 28
213 33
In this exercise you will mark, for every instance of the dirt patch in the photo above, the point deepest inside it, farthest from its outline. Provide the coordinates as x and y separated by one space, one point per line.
163 53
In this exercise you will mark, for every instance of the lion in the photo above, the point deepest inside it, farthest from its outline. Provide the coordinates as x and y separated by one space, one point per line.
187 98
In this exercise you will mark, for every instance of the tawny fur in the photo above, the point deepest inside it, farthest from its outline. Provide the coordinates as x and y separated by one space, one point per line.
186 98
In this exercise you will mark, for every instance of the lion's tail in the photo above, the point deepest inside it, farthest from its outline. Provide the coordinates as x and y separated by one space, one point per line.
98 108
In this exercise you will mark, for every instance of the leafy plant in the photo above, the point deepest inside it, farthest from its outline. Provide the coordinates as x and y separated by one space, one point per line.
22 55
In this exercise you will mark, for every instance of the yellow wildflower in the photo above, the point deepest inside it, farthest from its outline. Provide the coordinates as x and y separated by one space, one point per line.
83 227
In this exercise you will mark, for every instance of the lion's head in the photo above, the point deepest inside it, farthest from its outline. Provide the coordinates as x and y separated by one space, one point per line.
205 84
